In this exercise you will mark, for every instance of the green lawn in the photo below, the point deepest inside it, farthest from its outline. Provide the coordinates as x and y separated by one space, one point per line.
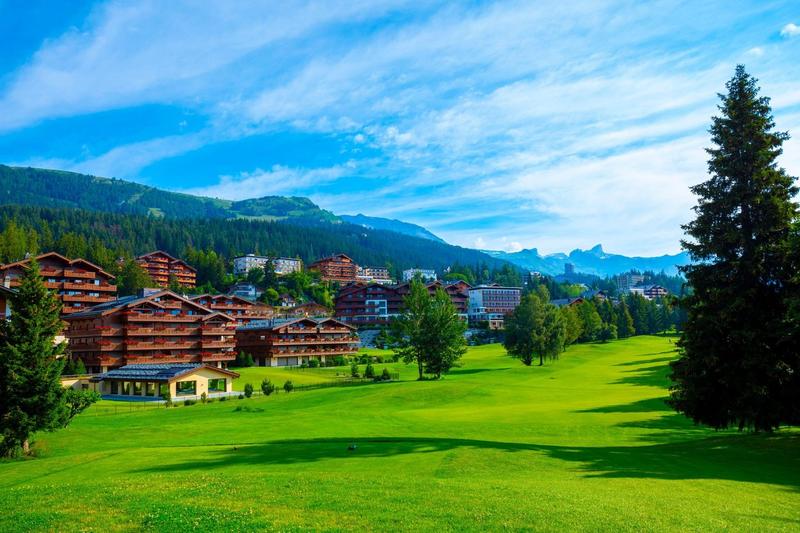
585 443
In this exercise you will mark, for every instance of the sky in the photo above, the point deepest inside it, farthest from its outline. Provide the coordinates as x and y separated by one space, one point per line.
508 125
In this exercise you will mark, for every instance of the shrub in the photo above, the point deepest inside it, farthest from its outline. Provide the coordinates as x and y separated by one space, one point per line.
304 365
313 363
187 402
378 358
223 398
204 398
369 372
339 360
288 386
248 390
241 396
80 368
354 370
364 359
211 400
167 397
385 376
267 387
243 360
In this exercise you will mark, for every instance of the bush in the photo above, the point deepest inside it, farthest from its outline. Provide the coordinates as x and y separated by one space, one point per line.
364 359
211 400
377 358
223 398
339 360
248 390
80 368
189 402
369 372
288 386
167 397
313 363
385 376
241 396
304 365
354 370
267 387
204 398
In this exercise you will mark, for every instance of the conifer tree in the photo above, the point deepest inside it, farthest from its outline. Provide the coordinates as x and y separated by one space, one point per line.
30 388
737 365
625 326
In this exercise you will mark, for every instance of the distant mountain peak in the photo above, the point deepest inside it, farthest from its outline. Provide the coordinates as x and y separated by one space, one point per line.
390 224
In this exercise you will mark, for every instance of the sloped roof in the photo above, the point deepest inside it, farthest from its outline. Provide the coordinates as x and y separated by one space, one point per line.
158 372
24 263
129 301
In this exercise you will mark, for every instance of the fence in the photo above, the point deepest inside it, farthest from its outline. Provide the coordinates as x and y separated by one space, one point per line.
122 407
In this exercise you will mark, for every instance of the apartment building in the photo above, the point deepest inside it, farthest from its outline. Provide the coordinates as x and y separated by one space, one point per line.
242 311
651 292
161 266
339 268
154 327
282 265
492 303
291 342
374 275
425 273
627 281
78 283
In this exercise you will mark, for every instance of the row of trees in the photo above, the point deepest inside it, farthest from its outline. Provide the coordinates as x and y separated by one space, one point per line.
539 329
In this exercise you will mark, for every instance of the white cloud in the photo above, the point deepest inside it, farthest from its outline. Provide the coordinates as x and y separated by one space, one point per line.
790 30
756 51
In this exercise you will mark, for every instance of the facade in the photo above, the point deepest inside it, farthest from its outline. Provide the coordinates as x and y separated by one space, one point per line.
161 266
245 290
339 268
425 273
240 310
376 304
180 380
291 342
651 292
374 275
156 328
626 281
5 305
78 283
492 303
283 265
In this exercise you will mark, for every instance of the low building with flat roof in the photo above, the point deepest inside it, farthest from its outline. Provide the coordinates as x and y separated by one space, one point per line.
153 381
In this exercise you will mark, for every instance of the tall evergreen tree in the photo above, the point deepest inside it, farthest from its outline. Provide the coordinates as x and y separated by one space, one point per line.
736 367
31 395
625 326
131 278
535 329
444 333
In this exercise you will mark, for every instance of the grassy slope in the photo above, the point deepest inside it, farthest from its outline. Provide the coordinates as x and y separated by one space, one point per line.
585 443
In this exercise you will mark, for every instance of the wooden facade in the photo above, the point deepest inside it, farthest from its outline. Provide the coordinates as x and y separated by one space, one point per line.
242 311
339 268
161 266
308 310
5 305
78 283
376 304
160 327
294 341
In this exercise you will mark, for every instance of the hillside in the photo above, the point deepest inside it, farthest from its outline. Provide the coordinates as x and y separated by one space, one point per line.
55 188
594 261
585 443
389 224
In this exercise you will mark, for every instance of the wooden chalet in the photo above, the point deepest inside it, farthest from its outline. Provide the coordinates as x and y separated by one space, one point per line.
308 310
161 266
241 310
291 342
5 306
339 268
160 327
78 283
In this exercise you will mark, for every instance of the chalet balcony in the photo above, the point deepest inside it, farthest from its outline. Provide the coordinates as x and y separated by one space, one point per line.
75 273
103 287
49 271
161 317
162 331
217 344
102 331
53 285
134 345
86 298
103 345
207 330
217 356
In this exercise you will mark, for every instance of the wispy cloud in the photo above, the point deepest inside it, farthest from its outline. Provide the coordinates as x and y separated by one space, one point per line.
790 30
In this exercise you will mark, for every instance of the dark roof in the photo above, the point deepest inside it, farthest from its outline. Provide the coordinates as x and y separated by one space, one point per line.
7 290
106 306
155 372
561 302
25 262
125 301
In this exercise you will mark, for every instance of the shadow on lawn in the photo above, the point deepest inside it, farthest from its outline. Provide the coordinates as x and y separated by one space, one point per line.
748 458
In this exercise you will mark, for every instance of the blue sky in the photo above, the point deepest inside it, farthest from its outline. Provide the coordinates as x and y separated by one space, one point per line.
496 125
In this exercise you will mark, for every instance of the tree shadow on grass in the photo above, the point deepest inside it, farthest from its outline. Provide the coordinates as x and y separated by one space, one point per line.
640 362
648 405
467 371
770 459
650 376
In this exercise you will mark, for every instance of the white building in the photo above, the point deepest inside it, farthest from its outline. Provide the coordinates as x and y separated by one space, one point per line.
374 275
426 274
492 303
283 265
626 281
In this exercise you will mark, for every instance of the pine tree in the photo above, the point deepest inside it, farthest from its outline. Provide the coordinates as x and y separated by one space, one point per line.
737 366
625 326
131 278
30 388
535 328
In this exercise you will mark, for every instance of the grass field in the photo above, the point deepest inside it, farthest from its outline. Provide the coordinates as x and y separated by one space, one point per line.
585 443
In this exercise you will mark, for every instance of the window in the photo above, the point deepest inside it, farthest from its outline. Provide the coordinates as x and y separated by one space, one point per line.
149 389
137 388
186 388
217 385
163 388
126 388
114 387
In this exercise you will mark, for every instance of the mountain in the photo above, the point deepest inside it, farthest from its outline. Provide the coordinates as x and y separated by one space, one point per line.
133 218
593 261
56 188
388 224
